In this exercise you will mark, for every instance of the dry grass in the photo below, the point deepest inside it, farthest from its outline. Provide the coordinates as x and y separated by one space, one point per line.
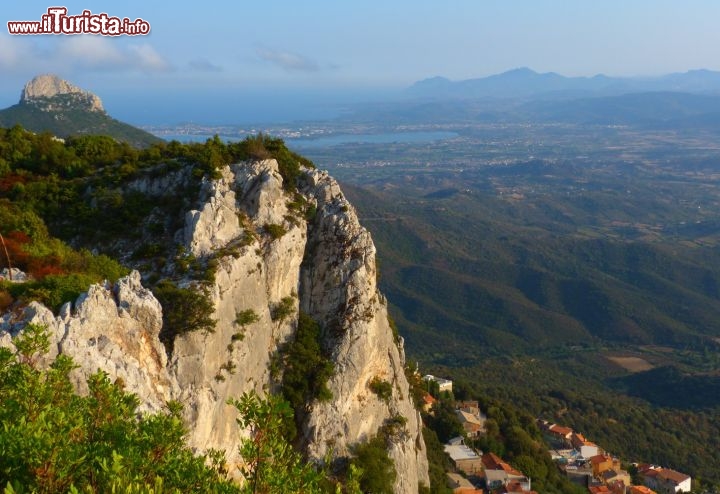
632 364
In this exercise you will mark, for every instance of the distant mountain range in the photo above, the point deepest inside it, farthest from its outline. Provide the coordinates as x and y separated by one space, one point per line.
50 104
526 83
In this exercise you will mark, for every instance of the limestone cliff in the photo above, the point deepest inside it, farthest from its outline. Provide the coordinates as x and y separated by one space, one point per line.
264 252
43 91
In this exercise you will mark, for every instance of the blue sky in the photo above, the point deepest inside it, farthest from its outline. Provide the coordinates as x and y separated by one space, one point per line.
319 47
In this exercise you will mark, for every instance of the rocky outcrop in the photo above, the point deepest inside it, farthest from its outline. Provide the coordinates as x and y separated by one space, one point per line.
264 252
43 91
109 328
339 289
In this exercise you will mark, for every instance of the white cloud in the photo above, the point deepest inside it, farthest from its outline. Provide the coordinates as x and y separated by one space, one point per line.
148 59
13 53
90 52
204 65
292 62
78 53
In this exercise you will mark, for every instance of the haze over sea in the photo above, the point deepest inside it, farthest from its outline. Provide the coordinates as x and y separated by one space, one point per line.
237 106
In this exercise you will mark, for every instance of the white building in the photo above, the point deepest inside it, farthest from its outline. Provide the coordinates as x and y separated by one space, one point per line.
443 384
666 481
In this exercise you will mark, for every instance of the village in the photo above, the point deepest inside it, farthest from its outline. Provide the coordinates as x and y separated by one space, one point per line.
581 460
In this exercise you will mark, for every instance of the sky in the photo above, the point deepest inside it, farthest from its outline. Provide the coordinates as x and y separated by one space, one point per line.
236 59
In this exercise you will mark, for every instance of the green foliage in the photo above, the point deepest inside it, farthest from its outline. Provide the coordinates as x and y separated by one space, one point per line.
270 464
417 386
246 317
274 230
444 421
383 389
263 147
184 310
283 309
378 469
53 290
438 462
53 440
242 319
393 328
74 121
307 367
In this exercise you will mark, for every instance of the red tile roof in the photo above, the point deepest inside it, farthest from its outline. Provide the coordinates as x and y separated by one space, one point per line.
428 399
595 460
672 475
560 430
493 462
600 489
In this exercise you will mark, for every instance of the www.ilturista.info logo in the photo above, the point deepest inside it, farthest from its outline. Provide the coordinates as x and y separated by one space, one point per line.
56 21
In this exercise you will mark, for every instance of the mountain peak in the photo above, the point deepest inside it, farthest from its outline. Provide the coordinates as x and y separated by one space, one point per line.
42 89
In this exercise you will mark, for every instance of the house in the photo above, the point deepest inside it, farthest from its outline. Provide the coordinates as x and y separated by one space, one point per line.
617 487
587 449
461 485
443 384
599 489
498 473
665 480
469 406
463 457
472 424
614 476
671 481
428 402
603 463
515 487
640 489
559 434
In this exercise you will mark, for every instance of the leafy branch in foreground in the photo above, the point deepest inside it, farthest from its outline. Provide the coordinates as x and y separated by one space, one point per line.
53 440
270 462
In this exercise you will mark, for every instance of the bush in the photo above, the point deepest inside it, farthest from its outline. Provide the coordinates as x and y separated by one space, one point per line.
245 317
274 230
184 310
263 147
307 367
378 468
382 388
53 290
283 309
270 463
53 440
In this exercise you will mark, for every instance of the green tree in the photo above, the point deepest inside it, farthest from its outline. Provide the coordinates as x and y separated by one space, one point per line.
378 469
307 367
184 310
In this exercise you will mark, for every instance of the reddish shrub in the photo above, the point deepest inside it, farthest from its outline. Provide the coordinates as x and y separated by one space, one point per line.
41 271
6 300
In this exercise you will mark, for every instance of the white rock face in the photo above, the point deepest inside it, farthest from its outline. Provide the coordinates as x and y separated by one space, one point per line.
339 289
49 86
114 329
327 267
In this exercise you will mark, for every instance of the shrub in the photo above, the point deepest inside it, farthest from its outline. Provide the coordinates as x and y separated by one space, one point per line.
56 441
53 290
283 309
184 310
307 366
378 468
270 463
274 230
245 317
382 388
